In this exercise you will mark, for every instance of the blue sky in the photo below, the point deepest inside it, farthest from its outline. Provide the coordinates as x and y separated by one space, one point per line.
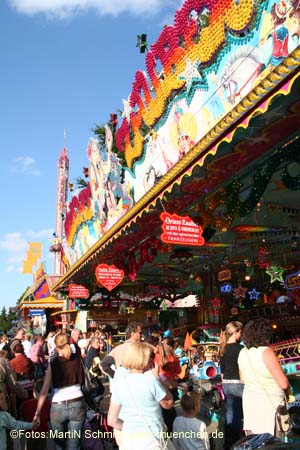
64 64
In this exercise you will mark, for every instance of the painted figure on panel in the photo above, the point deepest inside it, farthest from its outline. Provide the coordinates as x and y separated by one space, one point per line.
295 17
240 72
183 131
100 166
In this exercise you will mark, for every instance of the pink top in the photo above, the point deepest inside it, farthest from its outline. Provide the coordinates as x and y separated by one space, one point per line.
37 354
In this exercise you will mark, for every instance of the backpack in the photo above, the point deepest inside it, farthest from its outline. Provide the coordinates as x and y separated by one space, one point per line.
92 387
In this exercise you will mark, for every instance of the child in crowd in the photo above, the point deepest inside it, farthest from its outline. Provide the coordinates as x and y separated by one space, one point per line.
27 412
8 421
189 433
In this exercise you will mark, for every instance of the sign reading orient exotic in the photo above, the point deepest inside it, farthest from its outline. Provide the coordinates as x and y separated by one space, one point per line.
180 230
78 291
109 276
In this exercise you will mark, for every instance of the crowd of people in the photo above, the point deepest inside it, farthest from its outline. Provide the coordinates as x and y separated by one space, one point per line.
43 384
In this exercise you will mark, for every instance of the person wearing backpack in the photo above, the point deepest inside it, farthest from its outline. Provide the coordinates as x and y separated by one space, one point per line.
93 365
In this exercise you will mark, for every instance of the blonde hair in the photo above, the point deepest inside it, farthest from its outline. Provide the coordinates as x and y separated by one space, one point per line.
230 329
62 345
137 356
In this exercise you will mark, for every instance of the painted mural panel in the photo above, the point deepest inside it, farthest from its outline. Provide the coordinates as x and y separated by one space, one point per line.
213 55
211 90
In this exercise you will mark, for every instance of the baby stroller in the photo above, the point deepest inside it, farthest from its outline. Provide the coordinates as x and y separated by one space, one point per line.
97 435
263 441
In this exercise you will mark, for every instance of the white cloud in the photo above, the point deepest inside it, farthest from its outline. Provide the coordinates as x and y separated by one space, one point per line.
66 8
14 243
25 164
11 268
15 259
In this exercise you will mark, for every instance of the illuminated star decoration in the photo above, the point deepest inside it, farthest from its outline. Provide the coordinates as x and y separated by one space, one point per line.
192 76
127 109
276 274
130 310
240 291
181 313
253 294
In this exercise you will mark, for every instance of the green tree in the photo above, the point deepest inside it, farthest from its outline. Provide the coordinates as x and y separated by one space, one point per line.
11 317
3 321
99 131
81 183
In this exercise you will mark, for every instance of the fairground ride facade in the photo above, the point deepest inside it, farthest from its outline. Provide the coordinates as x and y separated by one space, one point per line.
200 221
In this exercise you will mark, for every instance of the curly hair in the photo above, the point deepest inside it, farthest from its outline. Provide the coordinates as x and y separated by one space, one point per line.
257 333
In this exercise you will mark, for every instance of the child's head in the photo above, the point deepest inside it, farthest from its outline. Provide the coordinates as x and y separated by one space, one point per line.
19 349
190 403
37 387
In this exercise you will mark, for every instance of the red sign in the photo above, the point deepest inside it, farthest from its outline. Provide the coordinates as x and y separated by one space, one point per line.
109 276
180 230
78 291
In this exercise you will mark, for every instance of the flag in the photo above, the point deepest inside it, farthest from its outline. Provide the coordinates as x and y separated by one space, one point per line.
40 272
35 249
26 268
187 341
42 291
32 256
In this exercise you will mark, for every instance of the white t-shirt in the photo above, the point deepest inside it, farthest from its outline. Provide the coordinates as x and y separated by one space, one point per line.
83 345
67 393
139 395
192 434
27 346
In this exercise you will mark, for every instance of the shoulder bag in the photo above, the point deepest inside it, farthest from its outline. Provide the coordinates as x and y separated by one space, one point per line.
283 423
